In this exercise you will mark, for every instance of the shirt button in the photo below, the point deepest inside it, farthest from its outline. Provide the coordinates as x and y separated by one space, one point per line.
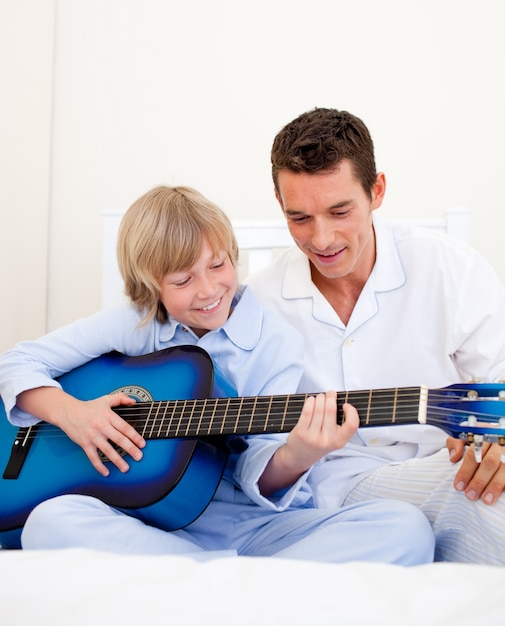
185 329
347 343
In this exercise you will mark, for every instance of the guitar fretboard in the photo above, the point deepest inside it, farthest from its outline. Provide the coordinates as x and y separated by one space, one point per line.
266 414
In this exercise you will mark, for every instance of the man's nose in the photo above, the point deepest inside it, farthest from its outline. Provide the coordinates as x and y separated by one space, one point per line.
322 235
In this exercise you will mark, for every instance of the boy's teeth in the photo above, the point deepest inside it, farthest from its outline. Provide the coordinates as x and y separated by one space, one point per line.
210 306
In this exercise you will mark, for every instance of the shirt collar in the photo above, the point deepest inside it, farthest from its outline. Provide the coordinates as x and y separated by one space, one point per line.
243 327
388 268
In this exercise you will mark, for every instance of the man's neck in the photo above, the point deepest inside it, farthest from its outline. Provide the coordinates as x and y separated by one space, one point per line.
341 293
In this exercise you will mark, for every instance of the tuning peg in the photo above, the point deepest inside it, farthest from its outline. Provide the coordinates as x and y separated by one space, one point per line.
477 451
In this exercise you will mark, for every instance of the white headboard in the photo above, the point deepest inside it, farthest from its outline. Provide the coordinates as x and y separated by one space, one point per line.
257 239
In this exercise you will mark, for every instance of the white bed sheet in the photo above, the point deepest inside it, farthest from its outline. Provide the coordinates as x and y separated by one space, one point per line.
73 587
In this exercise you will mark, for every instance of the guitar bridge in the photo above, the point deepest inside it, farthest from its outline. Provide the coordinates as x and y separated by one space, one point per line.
19 452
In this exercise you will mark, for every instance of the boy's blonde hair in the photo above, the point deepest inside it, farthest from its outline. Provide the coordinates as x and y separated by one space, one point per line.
162 232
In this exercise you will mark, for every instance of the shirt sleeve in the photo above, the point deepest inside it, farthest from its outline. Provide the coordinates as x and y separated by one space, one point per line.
478 329
38 363
252 463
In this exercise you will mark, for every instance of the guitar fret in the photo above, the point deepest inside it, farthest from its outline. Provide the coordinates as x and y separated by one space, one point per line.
273 418
198 426
395 403
159 421
190 417
237 417
152 418
252 415
283 422
276 414
181 413
212 417
268 413
161 418
172 416
250 407
223 413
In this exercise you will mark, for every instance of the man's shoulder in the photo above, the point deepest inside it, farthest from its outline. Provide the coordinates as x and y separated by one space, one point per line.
412 240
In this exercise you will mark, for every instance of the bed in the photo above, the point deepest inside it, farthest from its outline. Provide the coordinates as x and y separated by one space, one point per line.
74 587
78 586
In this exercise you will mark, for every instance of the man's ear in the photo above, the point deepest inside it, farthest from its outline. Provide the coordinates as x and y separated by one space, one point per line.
378 190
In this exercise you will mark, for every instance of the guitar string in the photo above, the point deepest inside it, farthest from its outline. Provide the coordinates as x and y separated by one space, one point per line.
139 415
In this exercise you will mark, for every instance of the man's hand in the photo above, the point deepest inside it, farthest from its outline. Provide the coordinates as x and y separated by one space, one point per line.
485 480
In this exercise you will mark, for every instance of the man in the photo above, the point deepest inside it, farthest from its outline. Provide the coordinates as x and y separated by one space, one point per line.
381 306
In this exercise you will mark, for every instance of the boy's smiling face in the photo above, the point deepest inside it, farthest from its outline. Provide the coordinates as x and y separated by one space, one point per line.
201 296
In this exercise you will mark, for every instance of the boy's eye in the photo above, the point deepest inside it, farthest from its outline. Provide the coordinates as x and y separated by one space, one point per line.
181 283
218 265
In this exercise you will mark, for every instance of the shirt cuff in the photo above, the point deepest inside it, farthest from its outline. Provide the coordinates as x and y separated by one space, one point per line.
250 466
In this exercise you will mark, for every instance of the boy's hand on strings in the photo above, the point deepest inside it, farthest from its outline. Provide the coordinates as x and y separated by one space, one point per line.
91 424
317 432
96 428
315 435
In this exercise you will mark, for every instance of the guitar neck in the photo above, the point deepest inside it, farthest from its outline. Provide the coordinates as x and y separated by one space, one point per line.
267 414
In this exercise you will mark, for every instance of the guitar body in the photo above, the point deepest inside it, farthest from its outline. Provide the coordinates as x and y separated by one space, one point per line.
169 488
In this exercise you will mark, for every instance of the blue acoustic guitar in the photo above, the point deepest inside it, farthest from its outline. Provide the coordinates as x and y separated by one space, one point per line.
183 461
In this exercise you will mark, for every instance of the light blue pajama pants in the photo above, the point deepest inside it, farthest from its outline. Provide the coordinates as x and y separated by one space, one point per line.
380 531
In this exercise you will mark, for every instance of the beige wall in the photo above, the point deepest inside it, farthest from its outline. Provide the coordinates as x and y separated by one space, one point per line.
158 91
26 65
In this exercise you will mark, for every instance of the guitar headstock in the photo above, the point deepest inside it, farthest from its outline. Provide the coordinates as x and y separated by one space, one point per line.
474 412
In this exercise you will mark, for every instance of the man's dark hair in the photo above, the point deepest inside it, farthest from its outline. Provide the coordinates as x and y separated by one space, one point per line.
318 140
